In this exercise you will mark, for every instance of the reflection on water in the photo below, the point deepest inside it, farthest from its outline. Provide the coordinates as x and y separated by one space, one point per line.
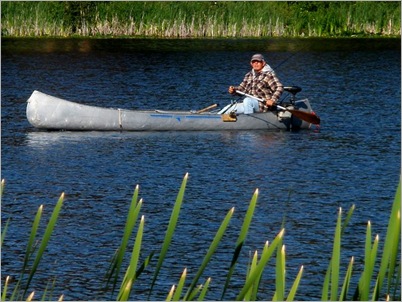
49 138
85 46
303 177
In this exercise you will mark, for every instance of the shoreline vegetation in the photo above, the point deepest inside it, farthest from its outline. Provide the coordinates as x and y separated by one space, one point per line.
200 19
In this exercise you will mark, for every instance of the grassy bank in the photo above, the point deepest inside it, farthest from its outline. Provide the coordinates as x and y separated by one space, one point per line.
200 19
379 280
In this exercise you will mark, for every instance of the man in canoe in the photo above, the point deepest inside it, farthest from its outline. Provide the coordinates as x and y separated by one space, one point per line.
260 82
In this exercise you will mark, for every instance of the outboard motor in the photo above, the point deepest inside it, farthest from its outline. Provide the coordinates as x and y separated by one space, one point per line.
286 116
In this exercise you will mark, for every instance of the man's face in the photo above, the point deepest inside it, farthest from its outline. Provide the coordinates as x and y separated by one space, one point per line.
257 65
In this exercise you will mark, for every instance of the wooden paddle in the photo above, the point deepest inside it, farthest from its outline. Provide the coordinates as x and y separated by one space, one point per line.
207 108
311 118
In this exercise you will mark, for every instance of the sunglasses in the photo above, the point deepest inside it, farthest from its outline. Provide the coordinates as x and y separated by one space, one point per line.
255 61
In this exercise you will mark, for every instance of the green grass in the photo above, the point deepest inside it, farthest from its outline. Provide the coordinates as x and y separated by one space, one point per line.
379 280
200 18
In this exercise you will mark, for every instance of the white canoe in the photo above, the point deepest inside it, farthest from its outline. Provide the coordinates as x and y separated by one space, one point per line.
52 113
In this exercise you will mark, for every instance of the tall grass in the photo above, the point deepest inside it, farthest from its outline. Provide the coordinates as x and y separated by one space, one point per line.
379 280
201 18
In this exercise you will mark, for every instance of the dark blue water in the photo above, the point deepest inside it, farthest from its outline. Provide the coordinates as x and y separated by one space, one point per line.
303 177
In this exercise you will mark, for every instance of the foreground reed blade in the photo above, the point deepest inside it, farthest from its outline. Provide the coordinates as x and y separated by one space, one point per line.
170 230
30 297
4 291
4 232
212 248
280 274
347 219
131 270
30 246
204 290
171 292
45 239
265 257
46 295
390 253
335 261
177 294
369 261
252 292
346 282
331 280
132 217
241 239
3 183
295 286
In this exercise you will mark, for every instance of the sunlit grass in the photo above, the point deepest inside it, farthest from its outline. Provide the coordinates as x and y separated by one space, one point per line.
200 19
379 280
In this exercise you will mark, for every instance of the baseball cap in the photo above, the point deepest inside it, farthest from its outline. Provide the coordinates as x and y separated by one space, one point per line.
257 57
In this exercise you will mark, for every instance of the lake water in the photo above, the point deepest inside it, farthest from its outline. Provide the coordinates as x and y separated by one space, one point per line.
302 177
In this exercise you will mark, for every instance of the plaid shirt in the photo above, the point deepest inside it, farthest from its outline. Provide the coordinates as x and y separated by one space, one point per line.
264 85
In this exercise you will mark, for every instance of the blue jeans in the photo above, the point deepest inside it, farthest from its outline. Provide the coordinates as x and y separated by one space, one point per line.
248 106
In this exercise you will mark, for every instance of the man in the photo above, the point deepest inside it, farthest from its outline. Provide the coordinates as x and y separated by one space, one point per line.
260 82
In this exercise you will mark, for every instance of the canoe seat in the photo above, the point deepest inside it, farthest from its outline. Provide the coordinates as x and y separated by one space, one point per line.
292 89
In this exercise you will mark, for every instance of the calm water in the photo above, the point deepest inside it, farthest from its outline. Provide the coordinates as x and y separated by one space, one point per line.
303 177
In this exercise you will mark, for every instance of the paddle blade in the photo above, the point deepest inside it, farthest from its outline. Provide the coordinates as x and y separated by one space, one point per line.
311 118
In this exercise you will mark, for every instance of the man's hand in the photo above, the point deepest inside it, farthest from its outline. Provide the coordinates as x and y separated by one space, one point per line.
269 103
231 89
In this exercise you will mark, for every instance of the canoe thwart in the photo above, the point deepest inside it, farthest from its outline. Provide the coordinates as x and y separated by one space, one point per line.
207 108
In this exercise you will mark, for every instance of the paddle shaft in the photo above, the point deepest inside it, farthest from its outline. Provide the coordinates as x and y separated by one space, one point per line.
306 116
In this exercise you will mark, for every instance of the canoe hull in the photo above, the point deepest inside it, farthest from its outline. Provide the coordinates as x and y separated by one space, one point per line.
52 113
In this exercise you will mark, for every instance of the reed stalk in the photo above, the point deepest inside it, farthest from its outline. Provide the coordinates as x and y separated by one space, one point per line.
130 276
265 257
132 216
335 261
295 286
241 239
252 292
280 282
3 183
45 239
4 232
4 291
211 250
171 292
170 229
387 280
346 282
204 290
30 245
391 250
179 288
